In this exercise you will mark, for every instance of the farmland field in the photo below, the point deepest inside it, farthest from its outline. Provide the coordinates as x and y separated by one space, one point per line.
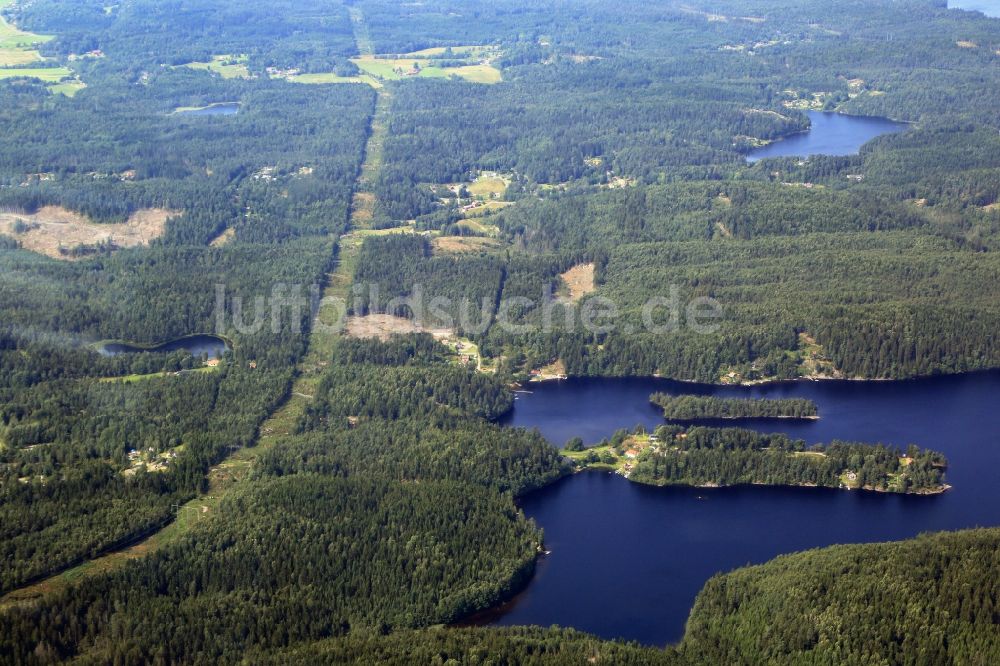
392 69
46 74
16 46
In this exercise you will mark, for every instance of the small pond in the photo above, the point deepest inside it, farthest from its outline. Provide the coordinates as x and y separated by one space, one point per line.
196 345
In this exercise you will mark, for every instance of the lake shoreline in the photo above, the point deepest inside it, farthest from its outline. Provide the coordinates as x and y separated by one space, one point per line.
926 492
827 135
521 387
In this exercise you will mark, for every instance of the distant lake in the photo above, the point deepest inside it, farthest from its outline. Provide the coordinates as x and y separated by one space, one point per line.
627 560
220 109
988 7
830 134
196 345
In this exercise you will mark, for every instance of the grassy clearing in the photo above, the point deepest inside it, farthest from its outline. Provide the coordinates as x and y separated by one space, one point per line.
394 69
226 66
486 209
488 186
478 73
129 379
597 457
477 227
323 78
464 244
68 88
44 74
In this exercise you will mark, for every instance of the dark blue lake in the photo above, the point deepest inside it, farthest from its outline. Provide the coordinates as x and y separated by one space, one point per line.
830 134
196 345
627 560
988 7
223 109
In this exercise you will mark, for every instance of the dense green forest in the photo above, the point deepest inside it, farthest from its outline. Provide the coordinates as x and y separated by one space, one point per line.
69 489
517 645
400 409
931 600
616 138
695 407
394 556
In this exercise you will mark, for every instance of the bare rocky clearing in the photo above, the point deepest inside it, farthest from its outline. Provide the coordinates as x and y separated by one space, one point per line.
55 231
579 281
383 327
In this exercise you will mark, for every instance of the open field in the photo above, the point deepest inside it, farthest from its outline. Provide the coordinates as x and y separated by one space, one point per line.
68 88
321 78
15 56
463 244
226 66
44 74
52 230
478 73
488 186
392 69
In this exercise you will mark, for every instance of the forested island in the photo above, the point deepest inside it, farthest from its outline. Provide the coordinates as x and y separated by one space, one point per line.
698 408
716 457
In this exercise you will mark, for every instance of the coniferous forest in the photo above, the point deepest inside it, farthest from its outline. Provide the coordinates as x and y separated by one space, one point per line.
695 408
346 490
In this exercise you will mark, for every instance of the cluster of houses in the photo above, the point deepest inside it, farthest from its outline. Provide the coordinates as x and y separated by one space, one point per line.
96 53
37 178
149 460
636 447
461 348
279 73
